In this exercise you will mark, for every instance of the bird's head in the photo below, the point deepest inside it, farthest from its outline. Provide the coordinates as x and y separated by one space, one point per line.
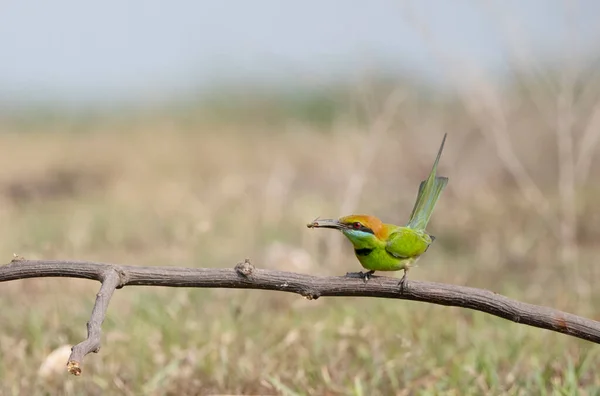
361 230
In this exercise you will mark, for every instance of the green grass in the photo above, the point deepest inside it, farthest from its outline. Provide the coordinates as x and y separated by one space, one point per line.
211 194
190 341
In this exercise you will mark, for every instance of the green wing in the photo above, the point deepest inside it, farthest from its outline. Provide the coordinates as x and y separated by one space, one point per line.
428 195
407 243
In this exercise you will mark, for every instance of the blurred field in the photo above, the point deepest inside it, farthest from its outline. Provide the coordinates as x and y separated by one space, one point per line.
210 186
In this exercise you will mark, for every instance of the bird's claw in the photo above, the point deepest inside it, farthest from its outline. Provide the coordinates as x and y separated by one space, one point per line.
365 276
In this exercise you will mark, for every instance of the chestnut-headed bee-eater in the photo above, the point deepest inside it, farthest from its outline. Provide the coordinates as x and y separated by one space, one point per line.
388 247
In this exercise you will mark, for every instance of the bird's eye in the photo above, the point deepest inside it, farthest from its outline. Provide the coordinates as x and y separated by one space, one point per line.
356 225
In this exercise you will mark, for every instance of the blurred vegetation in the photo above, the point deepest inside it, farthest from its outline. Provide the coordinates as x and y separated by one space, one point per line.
210 182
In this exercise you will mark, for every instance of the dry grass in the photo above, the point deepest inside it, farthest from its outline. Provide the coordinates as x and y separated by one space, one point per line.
163 190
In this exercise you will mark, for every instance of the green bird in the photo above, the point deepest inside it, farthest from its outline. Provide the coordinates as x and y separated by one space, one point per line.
388 247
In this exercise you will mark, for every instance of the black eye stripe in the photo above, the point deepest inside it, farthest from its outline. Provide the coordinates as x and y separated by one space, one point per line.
366 229
361 228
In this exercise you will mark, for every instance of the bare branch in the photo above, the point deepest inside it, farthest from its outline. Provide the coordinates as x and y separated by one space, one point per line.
246 276
110 282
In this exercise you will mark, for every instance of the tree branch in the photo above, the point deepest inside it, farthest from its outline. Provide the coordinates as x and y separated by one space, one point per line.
110 281
246 276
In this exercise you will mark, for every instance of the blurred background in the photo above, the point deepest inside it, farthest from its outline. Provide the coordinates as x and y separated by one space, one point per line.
202 133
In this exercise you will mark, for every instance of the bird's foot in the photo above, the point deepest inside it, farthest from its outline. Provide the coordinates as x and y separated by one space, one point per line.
365 276
403 282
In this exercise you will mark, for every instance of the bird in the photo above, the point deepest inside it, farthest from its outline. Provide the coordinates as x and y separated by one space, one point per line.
388 247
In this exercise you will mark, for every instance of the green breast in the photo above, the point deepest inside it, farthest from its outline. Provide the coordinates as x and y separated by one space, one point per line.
379 259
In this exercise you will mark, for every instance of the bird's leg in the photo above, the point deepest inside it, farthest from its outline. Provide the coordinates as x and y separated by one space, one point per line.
403 282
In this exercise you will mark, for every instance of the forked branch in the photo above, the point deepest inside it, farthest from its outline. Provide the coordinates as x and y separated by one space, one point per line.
246 276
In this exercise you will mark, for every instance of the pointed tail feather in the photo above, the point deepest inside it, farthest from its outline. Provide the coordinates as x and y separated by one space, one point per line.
429 193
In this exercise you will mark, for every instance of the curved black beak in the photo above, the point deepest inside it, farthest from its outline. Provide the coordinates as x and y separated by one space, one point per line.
326 223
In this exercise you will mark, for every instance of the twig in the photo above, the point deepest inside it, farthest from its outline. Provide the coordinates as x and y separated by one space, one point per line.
110 281
246 276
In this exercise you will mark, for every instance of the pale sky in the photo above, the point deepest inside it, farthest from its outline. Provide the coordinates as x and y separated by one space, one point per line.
73 50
